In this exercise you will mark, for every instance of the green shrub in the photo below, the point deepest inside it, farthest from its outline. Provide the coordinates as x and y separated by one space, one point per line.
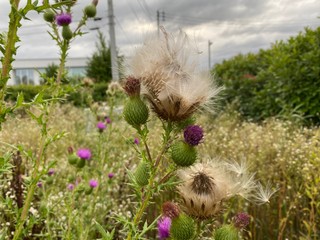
281 81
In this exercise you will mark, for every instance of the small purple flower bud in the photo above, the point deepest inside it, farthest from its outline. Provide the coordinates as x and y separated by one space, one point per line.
136 141
108 120
39 184
93 183
101 126
51 171
110 175
164 224
84 153
193 135
63 19
70 186
241 220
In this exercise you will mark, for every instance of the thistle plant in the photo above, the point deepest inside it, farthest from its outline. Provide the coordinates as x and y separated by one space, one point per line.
58 14
163 76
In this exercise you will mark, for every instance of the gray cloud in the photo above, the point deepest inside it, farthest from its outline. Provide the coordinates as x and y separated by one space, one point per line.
233 26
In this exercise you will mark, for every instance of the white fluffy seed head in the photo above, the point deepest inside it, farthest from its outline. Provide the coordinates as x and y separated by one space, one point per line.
205 186
169 76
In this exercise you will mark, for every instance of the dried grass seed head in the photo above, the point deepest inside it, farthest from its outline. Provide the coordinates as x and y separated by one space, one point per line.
169 77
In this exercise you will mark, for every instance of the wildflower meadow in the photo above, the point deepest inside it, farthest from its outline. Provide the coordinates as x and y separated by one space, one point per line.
158 158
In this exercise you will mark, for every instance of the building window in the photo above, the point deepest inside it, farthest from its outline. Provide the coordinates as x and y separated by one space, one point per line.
77 71
24 76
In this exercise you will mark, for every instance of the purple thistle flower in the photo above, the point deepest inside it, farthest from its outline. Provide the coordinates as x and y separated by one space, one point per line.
93 183
51 171
101 126
110 175
70 186
84 153
164 225
241 220
39 184
136 141
193 134
108 120
63 19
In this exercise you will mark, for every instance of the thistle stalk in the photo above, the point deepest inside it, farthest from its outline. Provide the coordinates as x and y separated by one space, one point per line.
10 47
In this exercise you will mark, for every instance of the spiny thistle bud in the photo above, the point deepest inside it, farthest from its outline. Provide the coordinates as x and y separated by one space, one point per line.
49 15
90 10
132 86
142 174
193 135
66 33
170 209
182 227
226 232
241 220
72 159
81 163
135 112
183 154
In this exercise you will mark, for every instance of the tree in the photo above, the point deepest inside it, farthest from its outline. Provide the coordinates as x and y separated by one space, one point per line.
99 66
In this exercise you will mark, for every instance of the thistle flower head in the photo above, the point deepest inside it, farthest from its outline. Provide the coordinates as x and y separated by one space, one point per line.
51 171
93 183
170 209
101 126
63 19
169 79
164 225
110 175
70 186
40 184
84 153
193 135
136 141
205 185
241 220
132 86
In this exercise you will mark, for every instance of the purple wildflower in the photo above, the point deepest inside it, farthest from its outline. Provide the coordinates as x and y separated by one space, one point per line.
101 126
136 141
51 171
93 183
241 220
193 134
164 225
63 19
39 184
108 120
110 175
84 153
70 186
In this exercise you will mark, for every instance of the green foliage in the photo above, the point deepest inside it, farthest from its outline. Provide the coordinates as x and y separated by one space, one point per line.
97 93
99 66
281 81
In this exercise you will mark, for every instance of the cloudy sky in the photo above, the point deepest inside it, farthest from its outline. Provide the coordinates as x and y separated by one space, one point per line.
233 26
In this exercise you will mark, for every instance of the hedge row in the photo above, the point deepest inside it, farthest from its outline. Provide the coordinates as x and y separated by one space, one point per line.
79 97
281 81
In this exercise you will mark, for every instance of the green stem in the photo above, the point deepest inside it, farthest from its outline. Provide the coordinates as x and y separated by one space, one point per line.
9 47
64 49
150 187
30 193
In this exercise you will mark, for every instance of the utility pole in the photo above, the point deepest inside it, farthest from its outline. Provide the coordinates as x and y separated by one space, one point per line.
113 50
209 53
158 20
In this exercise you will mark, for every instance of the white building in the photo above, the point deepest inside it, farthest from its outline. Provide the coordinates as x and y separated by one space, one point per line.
27 71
